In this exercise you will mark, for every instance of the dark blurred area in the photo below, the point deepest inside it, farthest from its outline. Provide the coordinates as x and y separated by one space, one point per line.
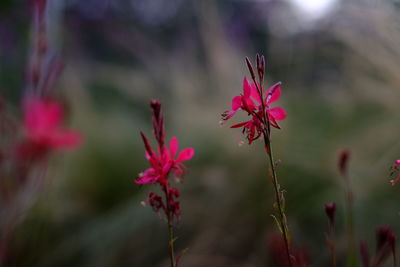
338 61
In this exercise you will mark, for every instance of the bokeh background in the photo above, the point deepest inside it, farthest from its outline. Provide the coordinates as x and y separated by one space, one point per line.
339 62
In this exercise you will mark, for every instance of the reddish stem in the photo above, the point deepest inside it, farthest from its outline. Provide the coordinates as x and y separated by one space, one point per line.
170 227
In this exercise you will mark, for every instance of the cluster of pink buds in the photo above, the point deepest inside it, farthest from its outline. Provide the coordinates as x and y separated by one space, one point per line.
157 203
256 101
395 172
164 161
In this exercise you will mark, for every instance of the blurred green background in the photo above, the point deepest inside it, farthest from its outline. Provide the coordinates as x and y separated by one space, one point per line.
339 62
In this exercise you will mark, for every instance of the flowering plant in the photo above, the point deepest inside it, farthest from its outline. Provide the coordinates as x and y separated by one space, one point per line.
30 141
256 101
164 161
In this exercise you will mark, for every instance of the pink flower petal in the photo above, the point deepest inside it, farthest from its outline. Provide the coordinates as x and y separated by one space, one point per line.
397 162
246 88
149 176
173 146
228 115
248 104
166 167
236 103
254 93
42 116
185 154
277 113
239 124
273 93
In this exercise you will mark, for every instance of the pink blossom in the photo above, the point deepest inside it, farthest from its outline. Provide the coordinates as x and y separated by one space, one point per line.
43 119
253 102
43 123
163 162
344 157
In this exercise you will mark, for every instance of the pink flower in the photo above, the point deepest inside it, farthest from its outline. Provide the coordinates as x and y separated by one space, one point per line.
184 155
43 119
256 104
163 162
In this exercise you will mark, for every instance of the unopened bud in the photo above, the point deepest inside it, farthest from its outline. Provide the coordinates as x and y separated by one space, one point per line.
384 235
260 68
330 210
343 162
250 67
263 63
158 122
156 107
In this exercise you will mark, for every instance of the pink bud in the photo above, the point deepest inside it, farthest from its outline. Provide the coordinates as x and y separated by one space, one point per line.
158 122
250 67
260 66
330 209
343 162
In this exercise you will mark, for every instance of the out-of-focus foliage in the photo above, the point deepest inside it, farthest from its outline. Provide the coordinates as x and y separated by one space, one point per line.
341 80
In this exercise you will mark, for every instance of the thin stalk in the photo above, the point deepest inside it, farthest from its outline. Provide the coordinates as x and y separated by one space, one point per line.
332 244
282 216
170 229
171 245
351 258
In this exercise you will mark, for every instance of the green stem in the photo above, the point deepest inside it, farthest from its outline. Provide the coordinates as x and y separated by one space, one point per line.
282 216
171 245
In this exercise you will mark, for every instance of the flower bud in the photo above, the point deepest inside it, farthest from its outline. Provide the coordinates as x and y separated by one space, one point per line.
330 209
250 67
260 66
343 162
